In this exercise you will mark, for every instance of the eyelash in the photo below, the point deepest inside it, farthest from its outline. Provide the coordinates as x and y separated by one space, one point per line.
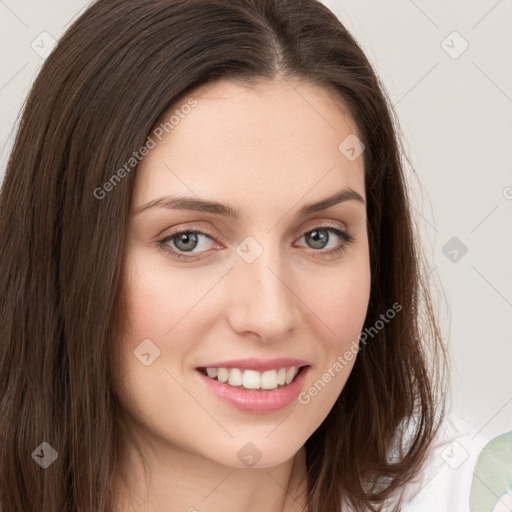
344 235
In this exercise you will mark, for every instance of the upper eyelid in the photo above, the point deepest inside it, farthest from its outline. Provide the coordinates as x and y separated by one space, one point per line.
315 223
205 230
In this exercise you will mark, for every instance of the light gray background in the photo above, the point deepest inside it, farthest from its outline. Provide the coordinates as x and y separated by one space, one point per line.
456 116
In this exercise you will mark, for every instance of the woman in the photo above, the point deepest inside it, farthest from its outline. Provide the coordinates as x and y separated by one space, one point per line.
212 294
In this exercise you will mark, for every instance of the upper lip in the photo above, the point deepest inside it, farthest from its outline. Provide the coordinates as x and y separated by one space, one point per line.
258 364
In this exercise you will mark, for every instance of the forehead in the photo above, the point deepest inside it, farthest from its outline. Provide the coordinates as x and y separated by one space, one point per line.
252 141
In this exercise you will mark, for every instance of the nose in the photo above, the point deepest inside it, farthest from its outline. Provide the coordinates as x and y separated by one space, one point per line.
262 299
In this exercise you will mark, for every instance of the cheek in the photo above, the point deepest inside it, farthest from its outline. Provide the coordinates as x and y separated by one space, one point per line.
158 306
345 301
340 301
340 305
157 299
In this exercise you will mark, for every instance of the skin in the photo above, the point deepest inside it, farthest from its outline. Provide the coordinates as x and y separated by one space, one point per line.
267 150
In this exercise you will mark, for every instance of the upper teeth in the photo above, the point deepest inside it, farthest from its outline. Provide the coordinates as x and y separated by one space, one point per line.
252 379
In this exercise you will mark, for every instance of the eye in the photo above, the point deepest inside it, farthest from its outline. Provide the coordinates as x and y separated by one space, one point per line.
187 243
320 237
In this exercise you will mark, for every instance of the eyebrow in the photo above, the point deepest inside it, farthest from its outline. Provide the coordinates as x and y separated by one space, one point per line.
201 205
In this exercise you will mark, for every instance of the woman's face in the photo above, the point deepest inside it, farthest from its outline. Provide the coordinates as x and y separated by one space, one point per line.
281 284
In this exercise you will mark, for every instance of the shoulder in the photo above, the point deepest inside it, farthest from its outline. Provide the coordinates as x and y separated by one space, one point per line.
464 471
445 480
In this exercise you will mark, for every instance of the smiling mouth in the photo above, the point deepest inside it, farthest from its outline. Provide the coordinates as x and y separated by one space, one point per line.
254 380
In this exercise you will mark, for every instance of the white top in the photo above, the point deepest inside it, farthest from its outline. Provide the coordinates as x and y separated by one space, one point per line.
444 485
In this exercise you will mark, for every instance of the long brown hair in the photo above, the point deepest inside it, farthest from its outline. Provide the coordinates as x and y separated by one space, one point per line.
98 95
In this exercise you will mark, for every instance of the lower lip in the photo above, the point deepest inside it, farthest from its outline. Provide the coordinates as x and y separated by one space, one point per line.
256 400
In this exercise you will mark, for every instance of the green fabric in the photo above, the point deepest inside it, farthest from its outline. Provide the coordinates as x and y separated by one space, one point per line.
493 476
